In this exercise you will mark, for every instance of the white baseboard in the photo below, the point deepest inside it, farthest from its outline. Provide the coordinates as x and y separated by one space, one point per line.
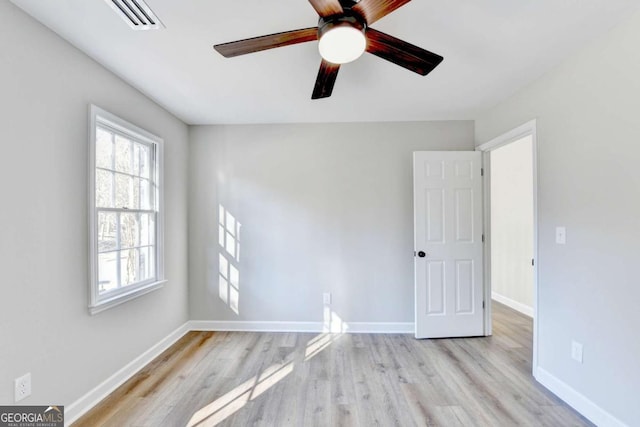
78 408
252 326
576 400
381 327
522 308
315 327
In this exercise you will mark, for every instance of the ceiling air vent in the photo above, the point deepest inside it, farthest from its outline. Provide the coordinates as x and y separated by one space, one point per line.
137 14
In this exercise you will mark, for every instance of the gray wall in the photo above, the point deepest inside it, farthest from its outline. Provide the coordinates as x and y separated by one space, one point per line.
588 114
46 87
323 208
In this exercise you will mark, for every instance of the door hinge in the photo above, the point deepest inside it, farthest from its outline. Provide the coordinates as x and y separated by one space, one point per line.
533 262
481 171
483 238
483 304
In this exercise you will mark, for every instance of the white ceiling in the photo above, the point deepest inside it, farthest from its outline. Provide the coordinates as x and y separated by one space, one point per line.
491 49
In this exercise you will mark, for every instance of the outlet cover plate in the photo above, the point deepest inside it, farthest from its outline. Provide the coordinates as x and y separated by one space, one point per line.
576 351
326 298
22 387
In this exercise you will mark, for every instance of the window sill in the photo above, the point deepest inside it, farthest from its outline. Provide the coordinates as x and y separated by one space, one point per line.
122 298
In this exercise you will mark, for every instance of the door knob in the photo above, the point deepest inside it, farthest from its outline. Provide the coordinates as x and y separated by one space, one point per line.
421 254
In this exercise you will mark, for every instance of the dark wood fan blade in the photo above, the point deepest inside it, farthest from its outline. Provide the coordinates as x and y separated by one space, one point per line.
327 7
401 53
372 10
326 79
256 44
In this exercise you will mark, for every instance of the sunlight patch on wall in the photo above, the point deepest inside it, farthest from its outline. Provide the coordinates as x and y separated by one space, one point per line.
229 259
332 322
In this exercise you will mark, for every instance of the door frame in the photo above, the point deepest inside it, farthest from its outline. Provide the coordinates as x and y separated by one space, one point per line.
527 129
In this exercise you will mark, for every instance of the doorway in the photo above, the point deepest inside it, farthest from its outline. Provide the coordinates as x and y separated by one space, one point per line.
511 227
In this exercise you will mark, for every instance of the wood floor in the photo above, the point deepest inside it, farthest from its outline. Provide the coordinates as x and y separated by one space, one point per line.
294 379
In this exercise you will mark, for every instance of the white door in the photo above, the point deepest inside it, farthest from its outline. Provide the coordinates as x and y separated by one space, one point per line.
447 192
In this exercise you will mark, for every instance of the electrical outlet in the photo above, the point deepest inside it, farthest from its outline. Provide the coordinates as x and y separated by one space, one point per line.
576 351
22 387
561 235
326 298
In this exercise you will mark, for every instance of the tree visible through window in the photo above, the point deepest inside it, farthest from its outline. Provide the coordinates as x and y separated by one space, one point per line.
126 210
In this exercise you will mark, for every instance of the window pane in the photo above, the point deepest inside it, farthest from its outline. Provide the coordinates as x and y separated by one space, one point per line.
123 155
147 229
152 262
136 159
145 194
147 264
136 194
145 160
107 272
125 213
107 229
124 191
129 266
129 230
104 149
104 189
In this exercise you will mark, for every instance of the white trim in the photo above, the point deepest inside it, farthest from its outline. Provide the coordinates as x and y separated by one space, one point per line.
381 328
93 397
123 126
124 297
253 326
513 135
486 253
91 205
82 405
526 129
577 400
517 306
315 327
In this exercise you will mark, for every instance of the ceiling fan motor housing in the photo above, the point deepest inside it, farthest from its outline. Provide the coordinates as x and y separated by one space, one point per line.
348 19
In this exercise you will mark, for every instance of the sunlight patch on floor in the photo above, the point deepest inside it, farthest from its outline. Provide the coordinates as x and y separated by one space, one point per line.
227 405
333 328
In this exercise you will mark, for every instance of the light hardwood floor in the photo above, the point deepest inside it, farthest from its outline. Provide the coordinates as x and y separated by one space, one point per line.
294 379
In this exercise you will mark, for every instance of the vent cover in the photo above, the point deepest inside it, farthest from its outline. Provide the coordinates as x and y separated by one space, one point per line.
137 14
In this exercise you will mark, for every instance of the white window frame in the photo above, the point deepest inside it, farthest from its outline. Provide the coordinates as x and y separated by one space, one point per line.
98 303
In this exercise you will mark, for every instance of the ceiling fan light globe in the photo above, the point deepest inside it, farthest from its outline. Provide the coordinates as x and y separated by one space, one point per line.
342 44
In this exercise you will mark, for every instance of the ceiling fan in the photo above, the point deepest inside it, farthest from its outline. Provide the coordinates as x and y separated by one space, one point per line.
344 33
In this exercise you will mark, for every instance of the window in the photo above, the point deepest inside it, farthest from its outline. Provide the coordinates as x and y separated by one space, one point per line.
125 211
